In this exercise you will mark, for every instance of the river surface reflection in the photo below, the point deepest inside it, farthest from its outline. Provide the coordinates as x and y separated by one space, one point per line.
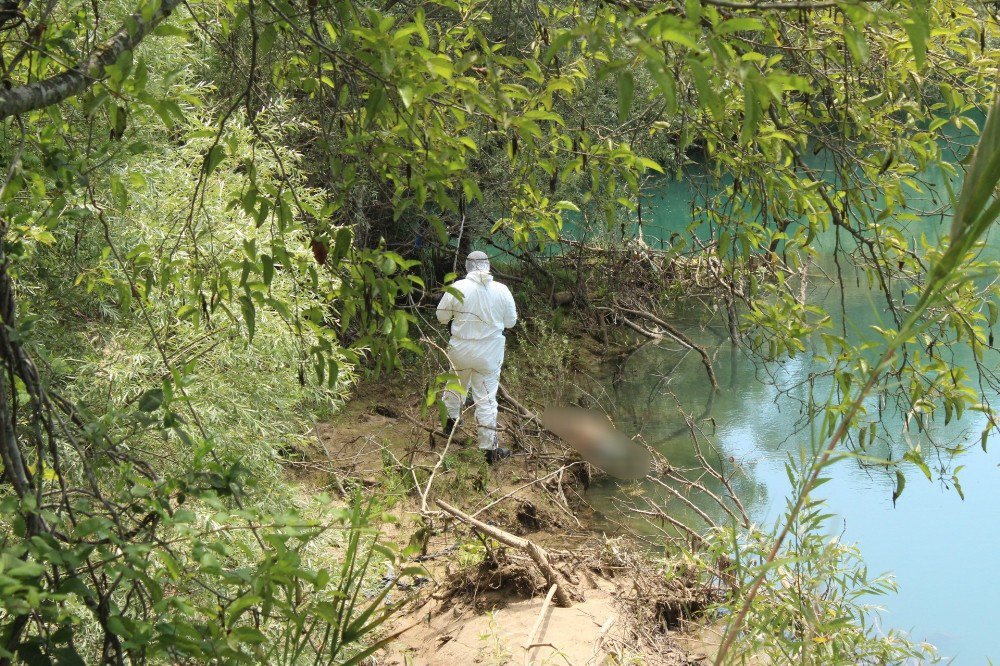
942 550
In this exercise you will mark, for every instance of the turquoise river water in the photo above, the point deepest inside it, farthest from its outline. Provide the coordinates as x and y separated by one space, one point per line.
942 550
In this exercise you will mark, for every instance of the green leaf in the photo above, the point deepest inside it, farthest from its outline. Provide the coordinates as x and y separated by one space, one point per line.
376 99
406 96
900 485
441 66
679 37
330 31
68 656
119 192
31 654
707 96
266 40
214 156
647 163
119 120
267 265
667 85
341 246
333 373
740 24
169 30
249 316
982 177
751 113
857 44
151 400
559 40
626 89
23 569
137 181
95 100
918 30
240 606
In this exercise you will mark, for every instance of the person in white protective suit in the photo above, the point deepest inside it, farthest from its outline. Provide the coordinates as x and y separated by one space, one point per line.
476 347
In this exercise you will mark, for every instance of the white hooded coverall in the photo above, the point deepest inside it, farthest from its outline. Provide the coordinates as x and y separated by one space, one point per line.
477 342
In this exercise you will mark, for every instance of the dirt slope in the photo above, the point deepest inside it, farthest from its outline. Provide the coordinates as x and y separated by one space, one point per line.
597 631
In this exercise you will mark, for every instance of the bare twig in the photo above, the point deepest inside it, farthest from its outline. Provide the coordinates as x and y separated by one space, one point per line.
526 485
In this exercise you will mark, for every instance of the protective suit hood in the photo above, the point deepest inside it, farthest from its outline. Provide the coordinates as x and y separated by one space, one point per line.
480 277
477 261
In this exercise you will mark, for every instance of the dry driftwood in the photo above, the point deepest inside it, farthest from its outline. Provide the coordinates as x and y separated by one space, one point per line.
566 593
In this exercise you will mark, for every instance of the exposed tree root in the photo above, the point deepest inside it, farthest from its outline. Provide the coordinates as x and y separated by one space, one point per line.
566 592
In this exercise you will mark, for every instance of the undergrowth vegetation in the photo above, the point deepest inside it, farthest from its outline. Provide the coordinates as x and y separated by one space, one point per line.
542 362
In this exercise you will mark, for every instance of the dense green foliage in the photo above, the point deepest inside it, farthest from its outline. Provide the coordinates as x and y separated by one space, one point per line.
203 249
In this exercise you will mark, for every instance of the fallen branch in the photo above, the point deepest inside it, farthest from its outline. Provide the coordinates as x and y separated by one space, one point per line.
657 512
676 334
605 628
522 487
718 475
640 330
525 412
530 643
686 501
565 593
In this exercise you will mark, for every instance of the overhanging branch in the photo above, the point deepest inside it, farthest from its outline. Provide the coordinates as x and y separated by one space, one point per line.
71 82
